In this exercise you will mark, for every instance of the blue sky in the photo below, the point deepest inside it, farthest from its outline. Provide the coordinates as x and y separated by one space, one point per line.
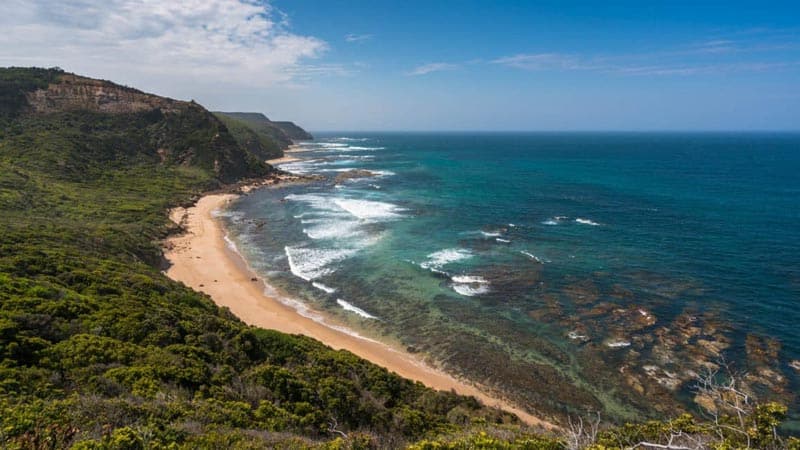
437 65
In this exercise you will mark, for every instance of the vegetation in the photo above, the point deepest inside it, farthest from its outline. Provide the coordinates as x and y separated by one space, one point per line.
261 136
253 138
99 350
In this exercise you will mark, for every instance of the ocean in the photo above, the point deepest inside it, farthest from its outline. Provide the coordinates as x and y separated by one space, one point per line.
567 271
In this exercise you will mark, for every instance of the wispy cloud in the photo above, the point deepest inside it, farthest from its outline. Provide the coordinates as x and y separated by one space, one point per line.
357 37
432 67
242 41
544 61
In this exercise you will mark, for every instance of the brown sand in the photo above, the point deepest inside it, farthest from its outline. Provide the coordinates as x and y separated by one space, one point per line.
201 259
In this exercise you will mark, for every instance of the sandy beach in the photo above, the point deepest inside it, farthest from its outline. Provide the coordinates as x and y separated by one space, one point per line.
202 260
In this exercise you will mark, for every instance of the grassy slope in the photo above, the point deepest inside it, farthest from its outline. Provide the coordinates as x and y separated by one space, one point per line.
96 345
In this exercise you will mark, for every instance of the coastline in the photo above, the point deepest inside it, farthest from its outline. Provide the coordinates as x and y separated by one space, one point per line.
230 283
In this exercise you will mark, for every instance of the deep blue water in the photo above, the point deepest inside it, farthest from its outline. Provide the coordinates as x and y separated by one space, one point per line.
595 254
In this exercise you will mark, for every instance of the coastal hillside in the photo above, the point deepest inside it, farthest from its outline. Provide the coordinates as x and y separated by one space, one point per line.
260 135
98 349
294 132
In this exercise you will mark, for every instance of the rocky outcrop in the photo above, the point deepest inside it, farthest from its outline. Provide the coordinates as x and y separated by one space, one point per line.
77 93
355 173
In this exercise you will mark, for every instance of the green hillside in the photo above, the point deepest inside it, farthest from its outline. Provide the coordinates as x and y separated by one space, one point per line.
261 136
253 138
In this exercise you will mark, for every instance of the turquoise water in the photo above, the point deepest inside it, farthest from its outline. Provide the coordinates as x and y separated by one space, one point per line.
570 271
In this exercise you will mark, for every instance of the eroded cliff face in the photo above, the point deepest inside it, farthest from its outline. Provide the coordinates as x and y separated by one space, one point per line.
76 93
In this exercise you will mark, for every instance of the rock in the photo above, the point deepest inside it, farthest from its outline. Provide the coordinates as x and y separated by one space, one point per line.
355 173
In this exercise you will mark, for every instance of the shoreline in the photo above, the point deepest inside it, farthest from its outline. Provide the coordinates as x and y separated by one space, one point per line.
231 283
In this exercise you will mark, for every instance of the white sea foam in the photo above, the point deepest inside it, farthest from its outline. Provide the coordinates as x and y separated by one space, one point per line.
586 222
443 257
502 241
618 344
368 209
359 157
349 139
491 233
332 145
574 335
333 229
324 288
305 311
358 148
469 279
316 201
310 263
532 256
470 290
231 245
550 222
354 309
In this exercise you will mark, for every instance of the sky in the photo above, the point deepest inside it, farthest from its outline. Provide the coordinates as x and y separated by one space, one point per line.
436 65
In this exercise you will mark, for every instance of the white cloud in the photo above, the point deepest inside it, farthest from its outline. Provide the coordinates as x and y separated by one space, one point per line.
432 67
357 37
543 61
231 41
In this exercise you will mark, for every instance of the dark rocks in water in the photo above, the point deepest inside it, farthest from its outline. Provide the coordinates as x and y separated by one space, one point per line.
355 173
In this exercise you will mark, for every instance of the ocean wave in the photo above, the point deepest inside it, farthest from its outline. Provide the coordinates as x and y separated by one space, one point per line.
491 233
303 309
354 309
470 290
618 344
359 148
349 139
332 145
441 258
466 279
369 209
503 241
324 288
231 245
532 256
586 222
550 222
310 263
319 202
333 229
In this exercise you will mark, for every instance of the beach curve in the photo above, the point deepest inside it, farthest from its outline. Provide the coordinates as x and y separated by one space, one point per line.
201 259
